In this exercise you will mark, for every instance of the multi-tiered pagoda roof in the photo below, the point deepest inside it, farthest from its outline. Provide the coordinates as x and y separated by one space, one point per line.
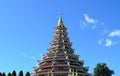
60 59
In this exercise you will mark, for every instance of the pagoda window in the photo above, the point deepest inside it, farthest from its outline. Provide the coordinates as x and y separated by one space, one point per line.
66 48
60 55
48 62
55 67
60 50
65 41
60 68
53 61
61 61
65 68
58 44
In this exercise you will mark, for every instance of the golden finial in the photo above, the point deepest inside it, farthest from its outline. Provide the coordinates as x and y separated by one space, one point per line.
60 22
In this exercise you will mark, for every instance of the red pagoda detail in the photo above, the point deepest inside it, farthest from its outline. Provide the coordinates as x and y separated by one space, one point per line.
60 59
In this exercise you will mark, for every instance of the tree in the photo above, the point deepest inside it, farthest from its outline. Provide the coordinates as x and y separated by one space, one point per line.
27 74
20 73
0 74
102 70
9 74
3 74
14 73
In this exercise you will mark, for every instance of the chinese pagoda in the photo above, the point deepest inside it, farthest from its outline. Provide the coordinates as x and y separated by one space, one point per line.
60 59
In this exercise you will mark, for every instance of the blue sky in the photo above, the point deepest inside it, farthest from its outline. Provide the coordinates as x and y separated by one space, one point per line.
27 27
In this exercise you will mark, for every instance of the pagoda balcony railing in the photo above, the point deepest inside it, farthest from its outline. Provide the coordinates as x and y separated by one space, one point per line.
60 36
61 41
77 56
51 52
61 44
33 74
60 71
60 57
48 59
35 69
60 48
74 64
56 41
60 52
72 58
44 57
60 64
46 70
47 64
40 62
81 61
86 68
57 47
60 31
76 70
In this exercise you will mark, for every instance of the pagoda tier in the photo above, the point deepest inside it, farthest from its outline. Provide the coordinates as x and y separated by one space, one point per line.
60 59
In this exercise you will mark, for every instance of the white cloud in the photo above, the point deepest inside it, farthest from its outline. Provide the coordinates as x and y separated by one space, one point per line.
88 19
115 33
108 43
108 38
88 22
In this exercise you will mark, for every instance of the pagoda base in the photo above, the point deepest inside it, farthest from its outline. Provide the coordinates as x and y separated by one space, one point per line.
58 74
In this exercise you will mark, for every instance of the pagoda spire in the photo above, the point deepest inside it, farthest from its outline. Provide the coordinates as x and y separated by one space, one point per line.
60 22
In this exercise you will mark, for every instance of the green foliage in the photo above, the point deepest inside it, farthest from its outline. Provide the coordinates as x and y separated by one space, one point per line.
3 74
102 70
27 74
14 73
0 74
20 73
9 74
